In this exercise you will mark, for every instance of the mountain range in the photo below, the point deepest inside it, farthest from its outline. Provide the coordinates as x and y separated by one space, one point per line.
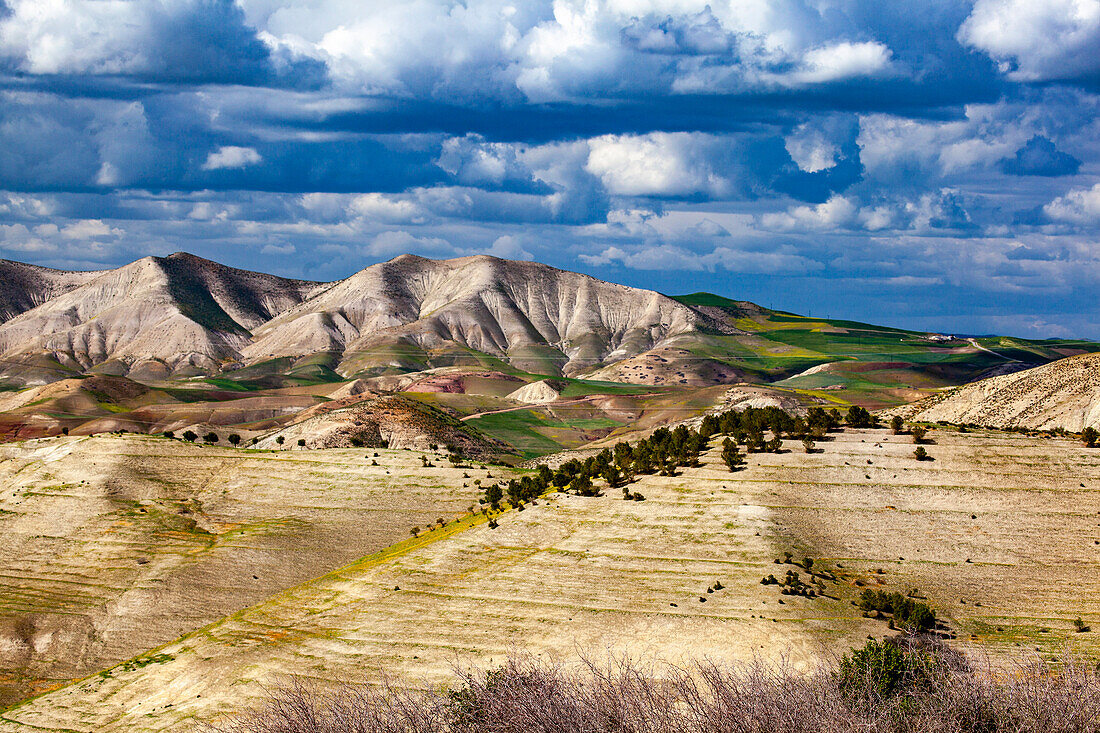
168 318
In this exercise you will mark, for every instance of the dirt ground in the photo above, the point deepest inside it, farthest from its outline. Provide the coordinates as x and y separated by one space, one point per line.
999 532
112 545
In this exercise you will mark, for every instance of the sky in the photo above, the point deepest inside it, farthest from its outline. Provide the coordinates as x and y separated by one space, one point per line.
926 164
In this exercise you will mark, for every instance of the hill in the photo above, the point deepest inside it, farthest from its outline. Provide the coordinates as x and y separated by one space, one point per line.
164 319
28 286
404 312
112 545
595 575
1063 394
154 318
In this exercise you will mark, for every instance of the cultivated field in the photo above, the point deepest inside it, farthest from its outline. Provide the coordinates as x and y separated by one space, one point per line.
113 544
999 532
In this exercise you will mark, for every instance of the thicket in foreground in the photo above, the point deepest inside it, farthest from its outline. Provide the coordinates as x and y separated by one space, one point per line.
903 685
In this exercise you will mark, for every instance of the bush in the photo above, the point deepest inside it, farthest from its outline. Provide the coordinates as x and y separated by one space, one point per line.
211 437
918 433
234 438
301 442
897 425
884 687
921 454
280 440
1089 436
167 434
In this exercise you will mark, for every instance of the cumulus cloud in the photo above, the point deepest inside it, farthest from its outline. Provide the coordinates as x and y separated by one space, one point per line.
1037 41
658 164
1079 206
231 156
192 41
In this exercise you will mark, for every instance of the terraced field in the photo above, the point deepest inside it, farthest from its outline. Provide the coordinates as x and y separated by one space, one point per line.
999 532
114 544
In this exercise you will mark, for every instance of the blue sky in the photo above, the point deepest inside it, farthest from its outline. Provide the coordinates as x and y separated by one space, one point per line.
927 164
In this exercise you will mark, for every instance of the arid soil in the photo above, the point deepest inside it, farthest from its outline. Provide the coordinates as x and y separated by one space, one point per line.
998 533
1063 394
112 545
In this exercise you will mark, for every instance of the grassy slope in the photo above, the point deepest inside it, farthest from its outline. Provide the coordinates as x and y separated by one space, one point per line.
600 574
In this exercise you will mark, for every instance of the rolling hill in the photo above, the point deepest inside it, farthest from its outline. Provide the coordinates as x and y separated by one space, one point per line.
1063 394
169 318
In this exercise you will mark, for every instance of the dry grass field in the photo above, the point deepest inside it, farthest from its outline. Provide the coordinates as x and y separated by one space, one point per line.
1000 532
111 545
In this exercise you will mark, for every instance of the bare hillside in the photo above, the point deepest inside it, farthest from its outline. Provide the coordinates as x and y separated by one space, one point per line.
1063 394
535 315
154 317
27 286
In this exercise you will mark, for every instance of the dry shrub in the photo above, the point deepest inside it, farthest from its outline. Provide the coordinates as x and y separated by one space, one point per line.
531 696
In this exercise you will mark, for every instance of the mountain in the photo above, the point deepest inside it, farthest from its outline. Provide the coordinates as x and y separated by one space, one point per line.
538 318
1063 394
154 318
164 318
28 286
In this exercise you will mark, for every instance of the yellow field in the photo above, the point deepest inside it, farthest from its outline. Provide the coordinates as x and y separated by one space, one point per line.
998 532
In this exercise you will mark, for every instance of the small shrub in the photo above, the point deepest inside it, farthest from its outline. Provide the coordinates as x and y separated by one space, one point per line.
921 454
897 425
918 433
1080 626
1089 436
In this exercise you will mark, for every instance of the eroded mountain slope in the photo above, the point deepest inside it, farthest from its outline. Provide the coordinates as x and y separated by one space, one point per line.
538 317
1063 394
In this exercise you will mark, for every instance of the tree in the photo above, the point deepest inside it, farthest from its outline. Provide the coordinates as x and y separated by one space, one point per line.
808 445
301 442
731 456
493 495
921 454
169 434
897 425
918 434
211 437
860 418
280 440
234 438
190 435
1090 436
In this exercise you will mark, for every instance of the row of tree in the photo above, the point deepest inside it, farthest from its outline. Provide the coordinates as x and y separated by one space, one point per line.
666 450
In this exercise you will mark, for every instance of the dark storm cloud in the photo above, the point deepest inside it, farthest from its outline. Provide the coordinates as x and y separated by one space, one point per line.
1040 157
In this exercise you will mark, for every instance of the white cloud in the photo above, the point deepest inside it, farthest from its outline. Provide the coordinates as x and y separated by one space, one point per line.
278 249
1036 40
839 61
89 229
231 156
385 208
396 242
509 247
657 164
811 149
1079 206
836 213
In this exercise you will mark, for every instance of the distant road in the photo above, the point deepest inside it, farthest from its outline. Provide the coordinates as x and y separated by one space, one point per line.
976 345
528 407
